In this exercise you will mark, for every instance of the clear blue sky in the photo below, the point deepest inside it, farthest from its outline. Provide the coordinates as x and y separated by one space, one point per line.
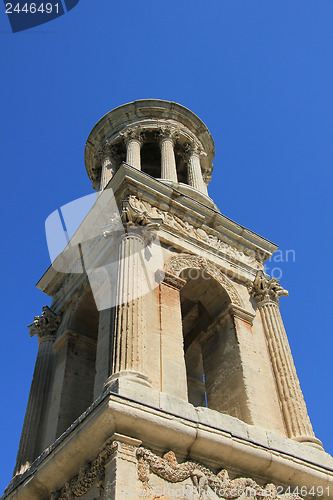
259 73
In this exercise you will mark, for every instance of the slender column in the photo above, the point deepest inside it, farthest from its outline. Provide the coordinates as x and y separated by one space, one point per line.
133 139
167 137
108 156
194 172
267 292
45 327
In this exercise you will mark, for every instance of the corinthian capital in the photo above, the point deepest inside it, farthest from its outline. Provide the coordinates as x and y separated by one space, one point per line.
107 150
167 133
191 149
46 325
132 133
265 289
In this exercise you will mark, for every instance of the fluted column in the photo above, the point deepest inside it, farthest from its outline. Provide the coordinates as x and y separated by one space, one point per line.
133 139
167 137
45 327
120 347
267 292
108 156
194 173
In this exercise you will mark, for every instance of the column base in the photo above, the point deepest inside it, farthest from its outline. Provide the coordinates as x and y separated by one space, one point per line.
130 384
310 441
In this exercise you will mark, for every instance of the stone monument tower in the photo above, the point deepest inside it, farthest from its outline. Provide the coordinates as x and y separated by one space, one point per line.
163 368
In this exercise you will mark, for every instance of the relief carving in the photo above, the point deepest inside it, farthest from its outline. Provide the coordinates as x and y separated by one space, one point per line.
185 227
80 484
186 261
203 478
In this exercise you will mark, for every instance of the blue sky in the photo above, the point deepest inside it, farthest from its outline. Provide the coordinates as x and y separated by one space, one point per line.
259 73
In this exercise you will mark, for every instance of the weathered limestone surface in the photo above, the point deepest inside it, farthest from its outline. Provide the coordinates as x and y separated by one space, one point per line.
171 366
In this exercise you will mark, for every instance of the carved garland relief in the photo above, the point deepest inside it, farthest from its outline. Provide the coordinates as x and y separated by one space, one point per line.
168 469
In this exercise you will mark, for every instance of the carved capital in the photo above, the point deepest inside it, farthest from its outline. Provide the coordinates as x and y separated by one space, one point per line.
46 325
108 150
133 134
191 149
171 133
265 289
134 212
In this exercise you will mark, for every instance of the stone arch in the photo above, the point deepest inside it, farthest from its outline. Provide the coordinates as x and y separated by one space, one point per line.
184 261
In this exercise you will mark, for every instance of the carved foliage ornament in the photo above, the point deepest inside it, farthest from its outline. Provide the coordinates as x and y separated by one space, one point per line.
265 289
45 325
133 134
185 261
80 484
176 223
170 470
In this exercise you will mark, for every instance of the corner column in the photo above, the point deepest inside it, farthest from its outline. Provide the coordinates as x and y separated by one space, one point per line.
194 173
267 292
45 327
167 137
120 346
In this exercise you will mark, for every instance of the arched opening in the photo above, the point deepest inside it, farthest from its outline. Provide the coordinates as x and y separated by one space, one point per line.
151 156
212 358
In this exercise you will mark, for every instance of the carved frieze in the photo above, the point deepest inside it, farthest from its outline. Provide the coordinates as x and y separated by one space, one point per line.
184 227
203 478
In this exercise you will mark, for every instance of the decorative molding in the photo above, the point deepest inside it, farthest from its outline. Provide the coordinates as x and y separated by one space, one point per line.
81 483
203 478
184 227
265 289
46 325
187 261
